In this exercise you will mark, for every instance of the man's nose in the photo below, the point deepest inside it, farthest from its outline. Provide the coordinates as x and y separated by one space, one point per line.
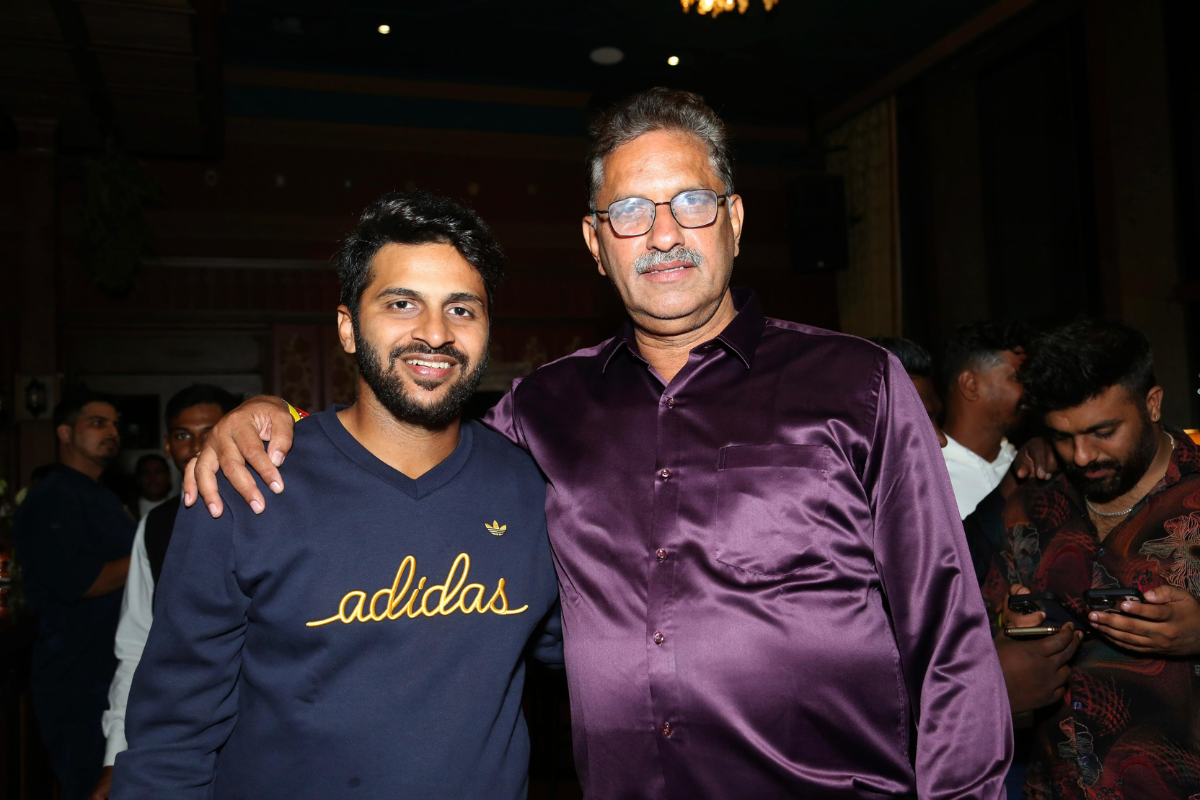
1084 455
433 330
665 234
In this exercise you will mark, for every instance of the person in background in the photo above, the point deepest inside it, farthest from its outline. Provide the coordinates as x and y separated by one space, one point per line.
919 365
191 413
152 477
983 407
73 538
1122 514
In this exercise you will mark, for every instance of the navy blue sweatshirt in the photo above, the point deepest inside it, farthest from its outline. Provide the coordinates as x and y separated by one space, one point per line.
363 638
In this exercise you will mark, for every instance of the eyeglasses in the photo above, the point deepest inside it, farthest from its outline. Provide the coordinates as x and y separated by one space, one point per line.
635 215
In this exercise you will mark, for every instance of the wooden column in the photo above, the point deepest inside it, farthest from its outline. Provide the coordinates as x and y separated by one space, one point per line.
37 266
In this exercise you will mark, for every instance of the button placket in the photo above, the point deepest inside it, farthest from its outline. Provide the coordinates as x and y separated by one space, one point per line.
664 694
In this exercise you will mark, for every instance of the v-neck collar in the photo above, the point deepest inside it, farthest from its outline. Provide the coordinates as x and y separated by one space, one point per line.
415 488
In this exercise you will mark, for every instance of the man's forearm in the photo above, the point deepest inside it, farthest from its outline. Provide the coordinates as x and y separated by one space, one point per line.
111 578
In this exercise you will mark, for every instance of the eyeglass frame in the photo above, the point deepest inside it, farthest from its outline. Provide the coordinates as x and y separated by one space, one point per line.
654 211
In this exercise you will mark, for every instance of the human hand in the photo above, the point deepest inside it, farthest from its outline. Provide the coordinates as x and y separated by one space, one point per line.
1167 624
234 441
1036 670
103 786
1014 620
1036 458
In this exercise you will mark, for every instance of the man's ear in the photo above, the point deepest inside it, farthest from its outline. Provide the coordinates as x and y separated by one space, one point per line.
737 218
968 385
1154 403
345 328
64 433
591 237
167 447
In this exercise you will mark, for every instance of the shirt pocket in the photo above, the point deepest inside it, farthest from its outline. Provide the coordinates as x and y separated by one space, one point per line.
771 499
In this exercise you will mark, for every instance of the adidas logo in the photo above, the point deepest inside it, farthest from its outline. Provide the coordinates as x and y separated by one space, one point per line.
495 529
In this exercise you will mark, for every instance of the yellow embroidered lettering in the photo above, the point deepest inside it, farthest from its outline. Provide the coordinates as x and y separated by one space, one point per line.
413 599
503 609
477 604
410 564
417 603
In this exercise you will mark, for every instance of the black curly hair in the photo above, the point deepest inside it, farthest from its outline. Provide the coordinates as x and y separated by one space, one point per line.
913 357
979 345
1074 363
417 217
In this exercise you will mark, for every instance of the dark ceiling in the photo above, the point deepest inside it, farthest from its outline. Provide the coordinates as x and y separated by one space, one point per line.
776 67
147 73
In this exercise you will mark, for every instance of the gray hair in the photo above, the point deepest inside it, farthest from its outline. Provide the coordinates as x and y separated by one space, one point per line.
658 109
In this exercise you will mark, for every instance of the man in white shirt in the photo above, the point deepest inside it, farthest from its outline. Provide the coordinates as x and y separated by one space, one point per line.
191 414
983 407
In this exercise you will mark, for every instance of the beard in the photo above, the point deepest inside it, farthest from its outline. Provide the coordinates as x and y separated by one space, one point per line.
391 392
1126 472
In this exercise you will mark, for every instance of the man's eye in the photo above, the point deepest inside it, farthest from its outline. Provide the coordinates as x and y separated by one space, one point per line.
1106 434
403 305
459 311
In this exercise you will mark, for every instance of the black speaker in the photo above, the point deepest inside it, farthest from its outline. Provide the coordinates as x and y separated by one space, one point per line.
816 219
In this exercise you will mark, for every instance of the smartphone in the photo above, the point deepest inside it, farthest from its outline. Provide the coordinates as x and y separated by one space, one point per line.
1047 602
1111 599
1036 632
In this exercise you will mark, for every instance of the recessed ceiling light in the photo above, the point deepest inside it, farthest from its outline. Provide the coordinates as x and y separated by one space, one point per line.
385 28
673 61
607 56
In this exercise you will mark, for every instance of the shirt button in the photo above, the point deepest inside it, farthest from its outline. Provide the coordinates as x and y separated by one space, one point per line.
665 474
666 729
1077 705
661 554
659 638
670 402
1100 552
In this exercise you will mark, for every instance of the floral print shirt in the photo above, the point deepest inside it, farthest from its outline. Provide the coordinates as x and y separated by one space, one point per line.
1129 726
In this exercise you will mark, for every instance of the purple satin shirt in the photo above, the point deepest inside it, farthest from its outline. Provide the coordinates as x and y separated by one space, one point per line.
766 590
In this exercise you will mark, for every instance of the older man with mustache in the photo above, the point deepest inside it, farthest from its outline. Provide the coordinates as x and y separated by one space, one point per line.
765 587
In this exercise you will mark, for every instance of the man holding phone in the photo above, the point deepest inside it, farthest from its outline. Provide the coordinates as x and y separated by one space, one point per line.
1121 522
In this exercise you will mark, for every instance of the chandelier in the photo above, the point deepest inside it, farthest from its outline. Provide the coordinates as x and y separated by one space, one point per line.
716 7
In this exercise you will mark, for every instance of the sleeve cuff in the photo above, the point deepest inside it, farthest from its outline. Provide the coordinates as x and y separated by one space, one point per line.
115 744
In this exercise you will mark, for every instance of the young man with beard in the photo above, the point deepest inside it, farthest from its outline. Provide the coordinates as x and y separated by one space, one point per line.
73 538
1124 514
367 637
766 592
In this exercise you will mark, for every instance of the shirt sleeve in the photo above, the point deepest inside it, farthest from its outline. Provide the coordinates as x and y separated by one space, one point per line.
502 418
184 698
546 644
137 613
964 731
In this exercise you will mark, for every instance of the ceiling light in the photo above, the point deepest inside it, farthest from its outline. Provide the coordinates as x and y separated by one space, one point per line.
673 61
716 7
607 56
385 28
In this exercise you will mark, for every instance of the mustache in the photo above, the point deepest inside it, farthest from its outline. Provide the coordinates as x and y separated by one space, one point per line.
1098 464
419 349
649 261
